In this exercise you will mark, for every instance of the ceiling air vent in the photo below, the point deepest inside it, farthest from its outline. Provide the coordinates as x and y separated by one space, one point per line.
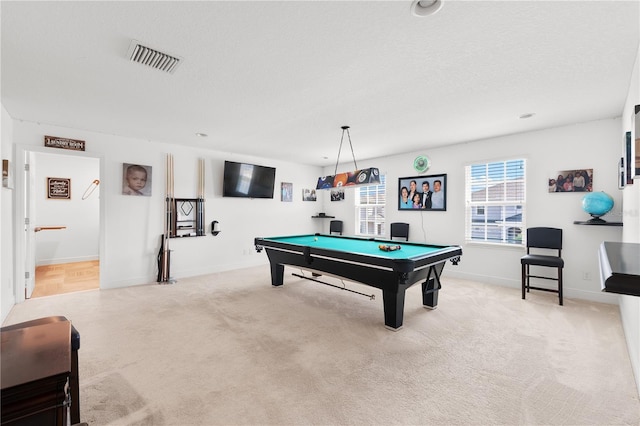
153 58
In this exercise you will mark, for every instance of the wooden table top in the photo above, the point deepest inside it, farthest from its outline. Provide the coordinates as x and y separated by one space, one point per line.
34 352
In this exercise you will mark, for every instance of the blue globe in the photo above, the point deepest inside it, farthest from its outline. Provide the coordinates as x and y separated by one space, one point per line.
597 203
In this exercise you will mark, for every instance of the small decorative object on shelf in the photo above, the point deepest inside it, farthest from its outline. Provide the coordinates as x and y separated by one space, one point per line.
597 204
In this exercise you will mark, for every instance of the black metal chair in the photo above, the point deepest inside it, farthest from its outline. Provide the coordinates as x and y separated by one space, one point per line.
335 226
545 239
400 230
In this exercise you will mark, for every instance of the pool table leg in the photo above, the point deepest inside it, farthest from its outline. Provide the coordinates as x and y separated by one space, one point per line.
393 308
277 273
430 288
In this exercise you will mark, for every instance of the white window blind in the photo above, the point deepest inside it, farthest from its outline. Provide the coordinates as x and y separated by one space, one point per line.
495 202
370 205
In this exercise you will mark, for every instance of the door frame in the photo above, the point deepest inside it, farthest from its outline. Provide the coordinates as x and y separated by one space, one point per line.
20 208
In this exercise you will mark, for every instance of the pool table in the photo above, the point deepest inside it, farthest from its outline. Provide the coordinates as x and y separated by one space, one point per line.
362 260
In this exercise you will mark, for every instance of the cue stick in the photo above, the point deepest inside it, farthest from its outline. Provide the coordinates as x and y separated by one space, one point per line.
370 296
200 209
165 263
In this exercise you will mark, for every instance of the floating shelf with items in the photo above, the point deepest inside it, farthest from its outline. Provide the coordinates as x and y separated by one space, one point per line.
322 216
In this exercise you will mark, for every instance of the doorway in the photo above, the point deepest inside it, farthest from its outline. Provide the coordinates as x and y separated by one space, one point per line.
62 231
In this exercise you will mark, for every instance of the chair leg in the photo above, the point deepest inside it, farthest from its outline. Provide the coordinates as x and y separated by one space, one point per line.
523 278
560 285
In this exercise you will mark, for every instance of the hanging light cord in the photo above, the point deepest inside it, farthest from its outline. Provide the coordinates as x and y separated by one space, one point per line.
92 187
345 128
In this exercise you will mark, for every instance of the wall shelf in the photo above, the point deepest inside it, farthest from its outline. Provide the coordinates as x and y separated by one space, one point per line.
323 217
597 223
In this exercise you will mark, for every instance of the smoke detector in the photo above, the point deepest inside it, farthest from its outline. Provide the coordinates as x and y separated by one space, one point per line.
422 8
153 58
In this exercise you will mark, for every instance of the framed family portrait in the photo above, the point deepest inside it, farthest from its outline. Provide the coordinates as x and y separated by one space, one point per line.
423 193
579 180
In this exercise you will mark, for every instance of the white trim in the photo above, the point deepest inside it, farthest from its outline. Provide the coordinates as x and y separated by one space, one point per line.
20 152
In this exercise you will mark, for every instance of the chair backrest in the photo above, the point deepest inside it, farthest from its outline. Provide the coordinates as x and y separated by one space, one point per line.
400 230
547 238
335 226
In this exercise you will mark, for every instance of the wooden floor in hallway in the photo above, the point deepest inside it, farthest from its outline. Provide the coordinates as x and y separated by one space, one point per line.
66 278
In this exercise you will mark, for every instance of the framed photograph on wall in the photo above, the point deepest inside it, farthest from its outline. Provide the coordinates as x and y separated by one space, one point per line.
337 194
136 179
628 159
635 143
286 189
309 195
579 180
423 193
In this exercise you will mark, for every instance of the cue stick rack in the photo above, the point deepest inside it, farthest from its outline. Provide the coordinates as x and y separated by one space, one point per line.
184 217
187 214
370 296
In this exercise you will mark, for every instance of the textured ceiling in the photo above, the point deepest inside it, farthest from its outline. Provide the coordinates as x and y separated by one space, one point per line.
277 79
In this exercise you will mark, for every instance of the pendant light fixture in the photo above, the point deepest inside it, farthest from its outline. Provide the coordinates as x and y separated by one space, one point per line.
370 176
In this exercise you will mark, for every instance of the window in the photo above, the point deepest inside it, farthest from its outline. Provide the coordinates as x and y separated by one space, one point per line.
495 202
370 202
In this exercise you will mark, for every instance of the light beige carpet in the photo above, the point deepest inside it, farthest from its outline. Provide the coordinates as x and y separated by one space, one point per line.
229 349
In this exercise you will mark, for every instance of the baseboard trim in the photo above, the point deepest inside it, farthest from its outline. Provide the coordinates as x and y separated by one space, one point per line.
60 261
571 293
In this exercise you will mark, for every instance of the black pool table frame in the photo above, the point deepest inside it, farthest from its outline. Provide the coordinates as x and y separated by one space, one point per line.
392 276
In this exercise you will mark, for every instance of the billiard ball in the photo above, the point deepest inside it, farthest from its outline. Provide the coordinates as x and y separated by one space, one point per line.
315 239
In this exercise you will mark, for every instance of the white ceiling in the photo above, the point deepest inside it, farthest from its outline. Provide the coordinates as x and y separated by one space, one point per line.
278 79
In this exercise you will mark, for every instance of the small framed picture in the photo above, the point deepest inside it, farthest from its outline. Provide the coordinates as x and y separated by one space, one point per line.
309 194
58 188
136 179
628 159
7 178
286 189
337 194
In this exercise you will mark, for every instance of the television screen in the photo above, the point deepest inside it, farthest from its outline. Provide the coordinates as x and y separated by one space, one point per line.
248 180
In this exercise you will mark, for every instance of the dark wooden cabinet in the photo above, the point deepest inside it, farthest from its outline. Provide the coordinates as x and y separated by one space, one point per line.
36 372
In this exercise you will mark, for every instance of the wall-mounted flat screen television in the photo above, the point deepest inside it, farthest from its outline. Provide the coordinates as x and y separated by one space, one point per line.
248 180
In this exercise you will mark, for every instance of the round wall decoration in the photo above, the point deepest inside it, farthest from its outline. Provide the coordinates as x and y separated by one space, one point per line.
421 163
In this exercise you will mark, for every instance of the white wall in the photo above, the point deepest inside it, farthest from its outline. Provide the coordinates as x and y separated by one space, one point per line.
630 305
132 226
80 241
7 295
581 146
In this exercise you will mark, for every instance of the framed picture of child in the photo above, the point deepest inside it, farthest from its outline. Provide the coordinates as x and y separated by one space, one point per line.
136 180
423 193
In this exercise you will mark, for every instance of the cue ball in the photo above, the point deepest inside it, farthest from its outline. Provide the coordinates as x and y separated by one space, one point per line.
315 239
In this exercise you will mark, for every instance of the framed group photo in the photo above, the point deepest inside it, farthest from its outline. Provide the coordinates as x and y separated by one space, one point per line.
579 180
423 193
